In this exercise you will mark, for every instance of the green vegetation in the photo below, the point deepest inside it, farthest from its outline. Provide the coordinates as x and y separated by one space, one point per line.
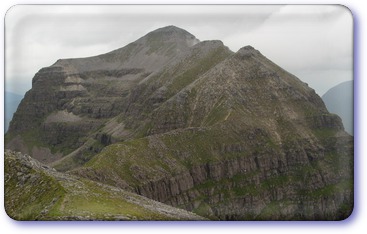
24 200
33 138
205 210
325 133
96 202
217 114
199 67
273 210
330 190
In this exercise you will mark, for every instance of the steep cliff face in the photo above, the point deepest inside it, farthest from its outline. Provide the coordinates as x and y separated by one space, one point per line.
229 136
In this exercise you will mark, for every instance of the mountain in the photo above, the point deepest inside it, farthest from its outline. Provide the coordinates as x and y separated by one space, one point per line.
228 136
339 100
73 99
12 101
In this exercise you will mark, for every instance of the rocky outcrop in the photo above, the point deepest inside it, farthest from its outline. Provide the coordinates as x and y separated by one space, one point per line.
245 188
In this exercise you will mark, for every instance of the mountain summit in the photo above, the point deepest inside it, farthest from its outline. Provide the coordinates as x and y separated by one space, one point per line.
228 136
149 53
172 34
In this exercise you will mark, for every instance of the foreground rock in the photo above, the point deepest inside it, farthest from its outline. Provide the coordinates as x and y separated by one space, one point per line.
34 191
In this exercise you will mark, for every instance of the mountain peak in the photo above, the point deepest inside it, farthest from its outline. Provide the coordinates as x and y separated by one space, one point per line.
248 51
172 33
170 28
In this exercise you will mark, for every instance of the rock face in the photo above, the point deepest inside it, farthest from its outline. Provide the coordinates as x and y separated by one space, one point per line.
229 136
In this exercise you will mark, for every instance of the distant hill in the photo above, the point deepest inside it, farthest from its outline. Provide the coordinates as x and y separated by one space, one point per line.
339 100
12 101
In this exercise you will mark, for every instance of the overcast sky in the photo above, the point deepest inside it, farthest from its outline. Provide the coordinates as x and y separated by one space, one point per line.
315 43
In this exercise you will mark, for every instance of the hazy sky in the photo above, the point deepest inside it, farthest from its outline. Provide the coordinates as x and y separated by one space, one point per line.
315 43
